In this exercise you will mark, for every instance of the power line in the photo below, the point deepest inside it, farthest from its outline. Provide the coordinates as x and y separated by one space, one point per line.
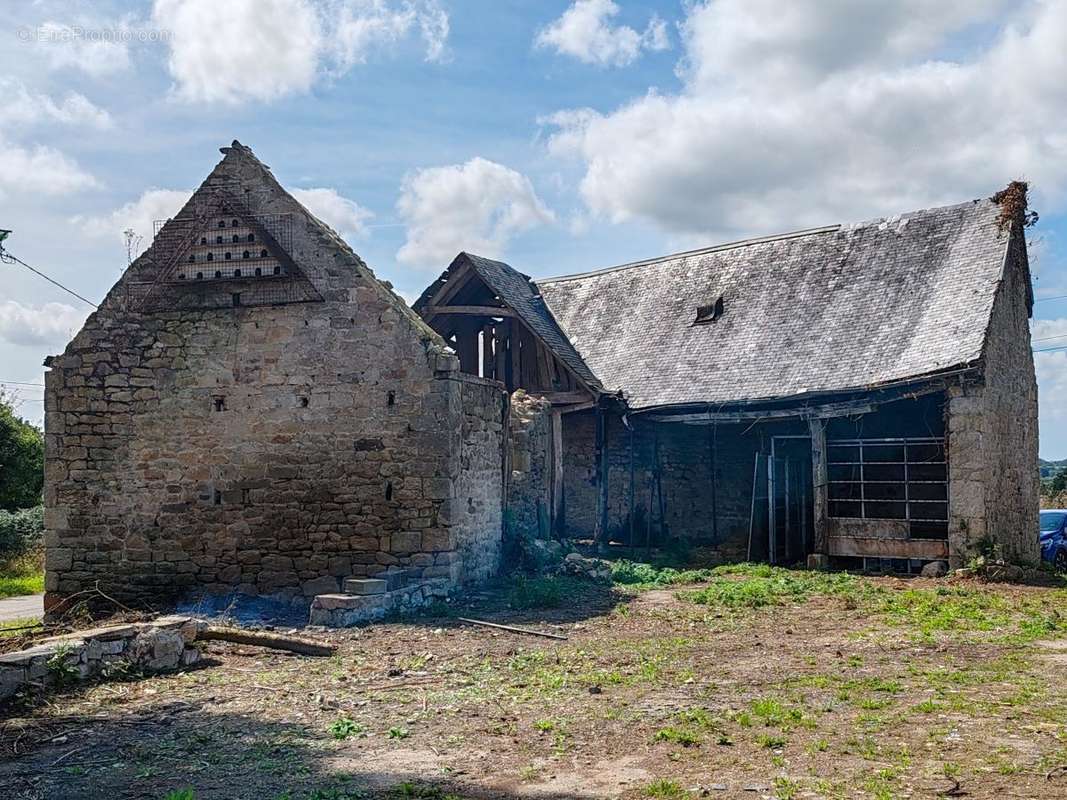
20 383
8 258
1046 299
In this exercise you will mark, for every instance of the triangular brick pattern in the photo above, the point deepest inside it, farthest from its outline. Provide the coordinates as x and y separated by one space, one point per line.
218 254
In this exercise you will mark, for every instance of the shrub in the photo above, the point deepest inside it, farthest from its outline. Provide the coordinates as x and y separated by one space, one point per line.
527 593
21 459
20 532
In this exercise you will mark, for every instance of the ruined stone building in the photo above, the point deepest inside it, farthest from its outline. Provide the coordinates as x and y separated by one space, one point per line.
250 410
859 392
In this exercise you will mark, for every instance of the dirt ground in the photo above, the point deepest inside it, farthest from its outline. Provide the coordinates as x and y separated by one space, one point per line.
915 693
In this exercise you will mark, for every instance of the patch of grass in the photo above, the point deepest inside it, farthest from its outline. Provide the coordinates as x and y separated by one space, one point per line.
344 728
676 735
786 788
771 741
666 789
409 790
529 593
16 584
180 794
19 627
771 586
398 733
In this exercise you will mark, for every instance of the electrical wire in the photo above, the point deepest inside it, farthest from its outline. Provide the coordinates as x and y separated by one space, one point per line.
7 257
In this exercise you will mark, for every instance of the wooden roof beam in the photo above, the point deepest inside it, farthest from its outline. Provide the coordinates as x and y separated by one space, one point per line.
471 311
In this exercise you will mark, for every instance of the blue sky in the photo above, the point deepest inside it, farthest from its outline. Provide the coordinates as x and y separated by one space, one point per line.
559 135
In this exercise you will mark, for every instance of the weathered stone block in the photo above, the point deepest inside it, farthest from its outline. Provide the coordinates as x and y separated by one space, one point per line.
365 586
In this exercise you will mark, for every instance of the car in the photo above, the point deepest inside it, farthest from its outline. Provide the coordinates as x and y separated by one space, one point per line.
1053 537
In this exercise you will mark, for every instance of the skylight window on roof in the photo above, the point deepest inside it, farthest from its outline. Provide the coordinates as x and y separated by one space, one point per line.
709 313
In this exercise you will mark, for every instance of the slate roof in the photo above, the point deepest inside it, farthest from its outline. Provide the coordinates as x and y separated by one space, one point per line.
516 290
828 310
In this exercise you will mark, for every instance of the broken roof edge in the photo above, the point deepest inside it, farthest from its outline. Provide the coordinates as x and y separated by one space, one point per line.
474 263
805 399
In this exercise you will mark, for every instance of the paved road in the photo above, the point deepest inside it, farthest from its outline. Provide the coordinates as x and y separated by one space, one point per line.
30 605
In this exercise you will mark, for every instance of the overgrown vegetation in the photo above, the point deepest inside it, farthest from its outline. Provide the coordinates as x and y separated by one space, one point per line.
21 459
20 554
528 593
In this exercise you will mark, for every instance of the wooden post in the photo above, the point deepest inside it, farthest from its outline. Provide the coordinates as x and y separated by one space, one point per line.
601 534
488 361
557 472
500 352
514 377
820 489
467 346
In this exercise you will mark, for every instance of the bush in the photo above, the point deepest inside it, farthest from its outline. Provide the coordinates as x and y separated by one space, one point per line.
21 459
20 532
529 593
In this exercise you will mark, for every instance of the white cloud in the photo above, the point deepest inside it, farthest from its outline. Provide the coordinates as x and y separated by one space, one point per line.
140 215
264 49
26 107
66 47
345 216
49 324
360 26
787 120
1051 367
40 170
240 49
477 206
585 32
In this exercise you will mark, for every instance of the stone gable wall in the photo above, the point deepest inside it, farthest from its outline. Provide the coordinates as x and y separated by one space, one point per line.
994 489
269 450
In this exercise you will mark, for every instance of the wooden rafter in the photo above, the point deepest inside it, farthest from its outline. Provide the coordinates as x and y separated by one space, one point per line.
472 311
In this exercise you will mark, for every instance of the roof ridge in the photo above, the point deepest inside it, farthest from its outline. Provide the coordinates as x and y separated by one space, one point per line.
844 226
699 251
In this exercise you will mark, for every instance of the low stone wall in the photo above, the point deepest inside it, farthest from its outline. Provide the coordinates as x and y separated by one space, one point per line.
346 610
162 644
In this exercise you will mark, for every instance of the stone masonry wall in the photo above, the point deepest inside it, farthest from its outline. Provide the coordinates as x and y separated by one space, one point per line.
477 505
269 450
530 480
994 492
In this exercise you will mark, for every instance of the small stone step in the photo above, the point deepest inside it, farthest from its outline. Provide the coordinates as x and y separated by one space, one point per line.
365 586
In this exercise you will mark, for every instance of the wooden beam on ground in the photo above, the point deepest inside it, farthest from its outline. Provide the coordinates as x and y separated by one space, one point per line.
275 641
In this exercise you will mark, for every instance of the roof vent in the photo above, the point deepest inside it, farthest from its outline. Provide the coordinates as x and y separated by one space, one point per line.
709 313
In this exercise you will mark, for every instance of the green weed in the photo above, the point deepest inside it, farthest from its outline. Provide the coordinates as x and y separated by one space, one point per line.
345 728
666 789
